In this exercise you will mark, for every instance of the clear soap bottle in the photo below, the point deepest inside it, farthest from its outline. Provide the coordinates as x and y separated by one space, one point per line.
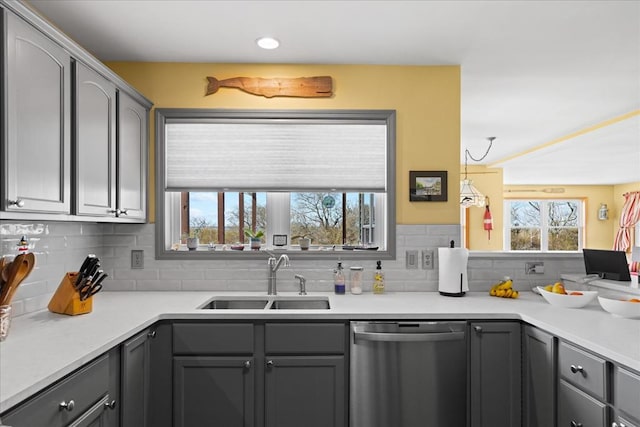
378 279
338 280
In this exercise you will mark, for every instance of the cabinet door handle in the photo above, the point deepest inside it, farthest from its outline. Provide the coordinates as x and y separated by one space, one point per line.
270 363
123 212
478 329
67 406
110 404
151 334
19 203
575 424
575 369
247 364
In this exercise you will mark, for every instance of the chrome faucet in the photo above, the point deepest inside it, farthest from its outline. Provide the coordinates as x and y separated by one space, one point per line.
274 265
303 284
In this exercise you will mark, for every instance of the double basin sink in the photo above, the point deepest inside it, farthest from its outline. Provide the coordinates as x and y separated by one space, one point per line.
267 303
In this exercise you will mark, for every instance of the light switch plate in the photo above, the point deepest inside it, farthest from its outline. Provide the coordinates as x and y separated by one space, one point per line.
427 259
412 259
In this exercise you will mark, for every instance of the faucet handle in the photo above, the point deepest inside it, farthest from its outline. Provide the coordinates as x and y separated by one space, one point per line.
303 284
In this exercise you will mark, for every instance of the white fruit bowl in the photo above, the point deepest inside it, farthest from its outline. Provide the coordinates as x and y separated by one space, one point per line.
620 307
568 301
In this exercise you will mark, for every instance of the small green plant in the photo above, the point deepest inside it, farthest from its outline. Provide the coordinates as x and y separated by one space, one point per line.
257 234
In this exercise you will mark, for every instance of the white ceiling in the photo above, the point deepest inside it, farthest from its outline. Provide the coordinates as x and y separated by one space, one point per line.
533 72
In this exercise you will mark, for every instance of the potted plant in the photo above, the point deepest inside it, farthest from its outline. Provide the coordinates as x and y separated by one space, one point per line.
304 243
193 239
254 238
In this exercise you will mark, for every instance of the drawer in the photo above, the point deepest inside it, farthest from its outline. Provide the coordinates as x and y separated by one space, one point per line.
304 338
84 387
626 392
583 370
576 408
206 338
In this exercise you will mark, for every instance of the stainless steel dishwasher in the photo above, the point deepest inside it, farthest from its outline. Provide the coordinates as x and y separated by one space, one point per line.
408 374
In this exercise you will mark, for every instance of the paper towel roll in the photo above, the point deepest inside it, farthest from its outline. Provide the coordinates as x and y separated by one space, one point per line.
452 271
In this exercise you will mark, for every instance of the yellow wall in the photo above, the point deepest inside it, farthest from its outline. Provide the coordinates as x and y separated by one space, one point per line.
426 99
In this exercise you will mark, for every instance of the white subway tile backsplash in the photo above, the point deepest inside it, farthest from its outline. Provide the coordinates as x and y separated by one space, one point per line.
61 247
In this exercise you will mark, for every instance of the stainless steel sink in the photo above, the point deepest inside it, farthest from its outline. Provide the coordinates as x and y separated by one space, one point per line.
236 303
300 304
262 303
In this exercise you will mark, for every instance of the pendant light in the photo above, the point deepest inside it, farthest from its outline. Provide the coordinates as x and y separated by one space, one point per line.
469 194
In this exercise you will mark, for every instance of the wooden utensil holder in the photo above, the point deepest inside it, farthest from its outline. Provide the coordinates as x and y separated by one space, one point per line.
66 299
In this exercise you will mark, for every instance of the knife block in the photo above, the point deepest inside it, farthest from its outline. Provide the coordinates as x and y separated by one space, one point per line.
66 299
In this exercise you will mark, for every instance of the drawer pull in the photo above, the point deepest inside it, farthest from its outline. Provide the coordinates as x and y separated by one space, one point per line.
575 369
19 203
111 405
151 334
478 329
247 364
67 406
575 424
270 363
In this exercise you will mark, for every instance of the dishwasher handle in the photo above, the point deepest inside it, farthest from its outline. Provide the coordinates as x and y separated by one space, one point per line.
404 337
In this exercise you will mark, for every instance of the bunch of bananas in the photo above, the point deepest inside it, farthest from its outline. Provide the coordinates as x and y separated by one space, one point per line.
504 289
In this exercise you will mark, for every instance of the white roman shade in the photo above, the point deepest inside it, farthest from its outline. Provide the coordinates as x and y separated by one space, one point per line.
347 157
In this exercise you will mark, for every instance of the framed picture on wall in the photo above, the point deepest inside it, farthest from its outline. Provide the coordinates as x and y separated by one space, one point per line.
428 186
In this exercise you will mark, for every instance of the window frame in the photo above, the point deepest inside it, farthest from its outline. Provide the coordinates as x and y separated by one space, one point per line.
162 225
544 225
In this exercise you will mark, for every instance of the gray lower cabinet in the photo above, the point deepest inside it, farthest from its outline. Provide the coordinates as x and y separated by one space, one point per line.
578 409
136 379
257 374
495 375
84 398
37 154
539 376
583 390
210 390
95 143
305 377
305 391
626 397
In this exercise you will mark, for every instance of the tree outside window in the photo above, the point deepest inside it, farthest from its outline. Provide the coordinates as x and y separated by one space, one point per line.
544 225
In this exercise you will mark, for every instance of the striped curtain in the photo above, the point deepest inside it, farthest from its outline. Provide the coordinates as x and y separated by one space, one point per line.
628 219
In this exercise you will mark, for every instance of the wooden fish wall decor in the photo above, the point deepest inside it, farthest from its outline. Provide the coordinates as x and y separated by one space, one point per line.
301 87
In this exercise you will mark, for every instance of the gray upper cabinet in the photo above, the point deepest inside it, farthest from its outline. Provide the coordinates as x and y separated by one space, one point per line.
74 138
132 158
37 152
95 144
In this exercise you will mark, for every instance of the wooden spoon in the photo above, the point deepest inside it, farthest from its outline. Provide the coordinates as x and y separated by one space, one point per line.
18 271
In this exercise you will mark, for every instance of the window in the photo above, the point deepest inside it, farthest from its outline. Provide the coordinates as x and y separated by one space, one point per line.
326 175
543 225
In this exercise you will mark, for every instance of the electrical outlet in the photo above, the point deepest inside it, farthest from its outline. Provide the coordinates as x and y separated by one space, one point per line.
137 258
412 259
534 267
427 259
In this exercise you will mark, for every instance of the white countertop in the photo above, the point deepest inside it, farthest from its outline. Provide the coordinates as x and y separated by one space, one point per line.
43 347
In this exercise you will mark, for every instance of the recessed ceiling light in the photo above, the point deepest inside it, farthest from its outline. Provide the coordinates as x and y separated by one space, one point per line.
268 43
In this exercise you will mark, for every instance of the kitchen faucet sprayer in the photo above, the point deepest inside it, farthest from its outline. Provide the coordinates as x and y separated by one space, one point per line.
274 265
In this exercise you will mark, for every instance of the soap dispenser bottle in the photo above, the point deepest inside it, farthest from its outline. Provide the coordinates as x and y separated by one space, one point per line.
338 280
378 279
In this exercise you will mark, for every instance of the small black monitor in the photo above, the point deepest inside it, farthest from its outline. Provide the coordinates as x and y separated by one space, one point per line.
611 265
